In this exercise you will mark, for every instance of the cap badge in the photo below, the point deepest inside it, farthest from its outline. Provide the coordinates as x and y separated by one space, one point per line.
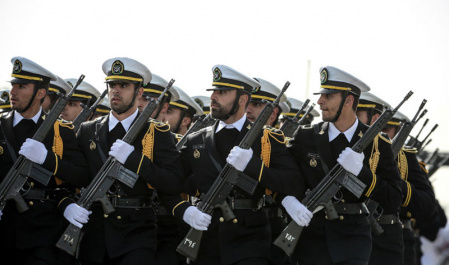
200 102
92 145
255 90
17 68
196 153
323 76
217 74
313 162
117 68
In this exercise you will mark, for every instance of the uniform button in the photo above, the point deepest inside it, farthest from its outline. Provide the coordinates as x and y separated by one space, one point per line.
32 184
105 216
221 219
326 216
31 203
343 200
119 217
342 217
118 196
235 221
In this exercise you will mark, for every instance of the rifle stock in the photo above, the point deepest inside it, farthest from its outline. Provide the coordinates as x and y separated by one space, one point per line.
229 177
333 181
111 171
24 168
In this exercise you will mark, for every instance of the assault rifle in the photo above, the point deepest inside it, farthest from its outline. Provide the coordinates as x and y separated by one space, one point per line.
195 127
23 168
412 140
419 144
85 113
289 126
333 181
229 177
406 128
111 171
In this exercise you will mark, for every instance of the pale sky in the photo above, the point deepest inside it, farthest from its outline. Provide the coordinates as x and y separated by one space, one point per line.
393 46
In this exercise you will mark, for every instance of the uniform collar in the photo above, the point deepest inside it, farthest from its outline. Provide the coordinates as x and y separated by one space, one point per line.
18 117
238 124
334 132
126 123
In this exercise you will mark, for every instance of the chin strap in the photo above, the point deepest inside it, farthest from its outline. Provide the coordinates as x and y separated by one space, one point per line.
343 99
36 88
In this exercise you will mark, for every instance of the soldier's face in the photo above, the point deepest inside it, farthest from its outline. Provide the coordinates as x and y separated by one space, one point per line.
20 96
362 115
390 130
329 104
71 110
172 116
121 95
221 102
253 110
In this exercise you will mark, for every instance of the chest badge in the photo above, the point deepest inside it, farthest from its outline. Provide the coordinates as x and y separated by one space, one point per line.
92 145
313 162
196 153
1 150
360 134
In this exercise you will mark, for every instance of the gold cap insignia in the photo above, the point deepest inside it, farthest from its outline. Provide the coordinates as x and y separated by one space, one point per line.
196 153
93 145
313 162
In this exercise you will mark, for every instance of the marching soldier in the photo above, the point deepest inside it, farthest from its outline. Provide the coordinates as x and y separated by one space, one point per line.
317 149
246 239
128 235
259 97
103 108
30 237
85 94
57 86
180 113
396 244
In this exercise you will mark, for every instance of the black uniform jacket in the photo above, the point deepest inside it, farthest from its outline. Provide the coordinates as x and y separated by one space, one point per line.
42 224
128 228
418 197
250 235
310 147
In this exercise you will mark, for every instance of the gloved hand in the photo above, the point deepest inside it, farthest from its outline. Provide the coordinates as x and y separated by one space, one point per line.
196 218
121 150
239 158
351 161
297 211
76 215
34 151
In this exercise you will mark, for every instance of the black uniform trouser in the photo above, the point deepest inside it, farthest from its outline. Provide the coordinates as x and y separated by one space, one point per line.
388 247
141 256
45 255
410 256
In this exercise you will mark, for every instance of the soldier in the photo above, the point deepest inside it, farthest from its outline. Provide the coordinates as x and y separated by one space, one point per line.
204 103
295 105
418 198
180 113
30 237
57 86
128 235
259 97
246 239
103 108
317 149
85 94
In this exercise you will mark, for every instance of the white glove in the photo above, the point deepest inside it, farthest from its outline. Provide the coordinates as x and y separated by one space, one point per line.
239 158
121 150
76 215
34 151
297 211
351 161
196 218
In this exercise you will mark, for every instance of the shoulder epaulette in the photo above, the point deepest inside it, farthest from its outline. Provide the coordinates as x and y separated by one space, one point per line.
410 149
3 114
384 137
308 126
64 123
178 136
276 134
160 126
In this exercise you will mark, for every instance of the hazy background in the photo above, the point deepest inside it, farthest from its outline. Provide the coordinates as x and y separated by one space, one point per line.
393 46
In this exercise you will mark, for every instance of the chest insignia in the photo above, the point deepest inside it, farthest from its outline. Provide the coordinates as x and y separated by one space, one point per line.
92 145
196 153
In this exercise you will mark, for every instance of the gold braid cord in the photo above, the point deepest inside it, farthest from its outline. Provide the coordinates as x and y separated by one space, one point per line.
423 166
58 145
373 162
403 169
148 144
266 148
